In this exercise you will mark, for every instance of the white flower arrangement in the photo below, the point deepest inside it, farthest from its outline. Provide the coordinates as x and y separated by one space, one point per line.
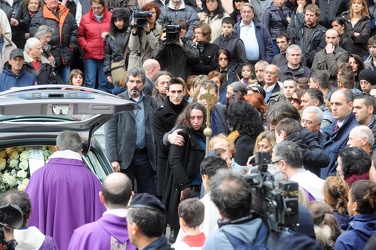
14 166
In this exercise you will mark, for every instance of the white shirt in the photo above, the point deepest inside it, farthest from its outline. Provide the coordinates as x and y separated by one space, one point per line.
248 36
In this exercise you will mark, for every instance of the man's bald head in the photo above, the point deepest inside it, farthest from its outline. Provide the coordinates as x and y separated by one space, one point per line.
116 190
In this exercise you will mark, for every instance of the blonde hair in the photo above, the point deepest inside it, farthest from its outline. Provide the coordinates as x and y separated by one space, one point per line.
222 137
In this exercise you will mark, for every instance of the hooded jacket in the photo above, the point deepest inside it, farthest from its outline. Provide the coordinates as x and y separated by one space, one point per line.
358 230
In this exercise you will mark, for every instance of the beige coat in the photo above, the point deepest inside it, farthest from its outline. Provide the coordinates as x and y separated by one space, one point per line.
5 53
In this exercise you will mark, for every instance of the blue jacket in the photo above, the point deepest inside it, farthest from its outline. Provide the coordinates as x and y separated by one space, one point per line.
335 141
10 80
264 41
358 230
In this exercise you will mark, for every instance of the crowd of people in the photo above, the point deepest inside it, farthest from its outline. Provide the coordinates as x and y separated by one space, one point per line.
293 78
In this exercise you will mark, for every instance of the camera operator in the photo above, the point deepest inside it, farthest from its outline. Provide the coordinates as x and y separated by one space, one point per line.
232 195
177 58
144 39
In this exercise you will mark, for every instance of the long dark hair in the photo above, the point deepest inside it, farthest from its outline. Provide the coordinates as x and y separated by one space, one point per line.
220 11
120 13
184 117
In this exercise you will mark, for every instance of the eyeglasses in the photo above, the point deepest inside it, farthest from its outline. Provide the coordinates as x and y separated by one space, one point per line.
222 58
295 100
275 162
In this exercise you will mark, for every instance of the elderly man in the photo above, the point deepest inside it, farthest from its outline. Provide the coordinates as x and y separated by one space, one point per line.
14 74
64 39
250 30
314 97
129 137
328 59
38 65
362 137
271 87
312 119
151 67
109 232
62 190
260 71
294 69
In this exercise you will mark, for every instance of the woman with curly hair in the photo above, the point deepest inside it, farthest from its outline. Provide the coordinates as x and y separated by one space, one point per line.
257 101
213 14
206 61
183 178
353 164
325 224
335 191
244 118
362 209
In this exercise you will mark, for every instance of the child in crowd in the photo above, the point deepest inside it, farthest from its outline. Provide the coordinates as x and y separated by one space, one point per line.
76 78
191 215
247 74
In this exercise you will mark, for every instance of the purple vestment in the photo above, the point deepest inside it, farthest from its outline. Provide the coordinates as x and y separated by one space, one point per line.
64 196
100 234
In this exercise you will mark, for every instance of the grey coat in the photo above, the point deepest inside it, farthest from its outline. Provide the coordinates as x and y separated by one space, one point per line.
120 134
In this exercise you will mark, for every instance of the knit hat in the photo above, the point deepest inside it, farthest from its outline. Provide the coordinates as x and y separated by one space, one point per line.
368 75
144 200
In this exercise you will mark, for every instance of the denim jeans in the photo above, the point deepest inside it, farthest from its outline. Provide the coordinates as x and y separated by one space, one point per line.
63 71
94 71
141 171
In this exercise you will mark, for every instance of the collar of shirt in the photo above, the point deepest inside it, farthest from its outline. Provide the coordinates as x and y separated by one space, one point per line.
243 25
118 212
138 99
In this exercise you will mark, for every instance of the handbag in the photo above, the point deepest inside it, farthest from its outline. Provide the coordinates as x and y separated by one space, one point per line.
117 71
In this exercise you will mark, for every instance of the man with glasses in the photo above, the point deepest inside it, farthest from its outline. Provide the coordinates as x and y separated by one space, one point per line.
271 87
250 30
130 143
288 158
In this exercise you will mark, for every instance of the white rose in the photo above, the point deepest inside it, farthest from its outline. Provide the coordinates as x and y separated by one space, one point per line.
25 181
5 176
23 165
21 174
13 163
3 164
21 187
24 156
11 180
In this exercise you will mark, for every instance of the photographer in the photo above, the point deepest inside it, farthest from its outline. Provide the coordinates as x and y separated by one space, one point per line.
232 195
176 58
144 39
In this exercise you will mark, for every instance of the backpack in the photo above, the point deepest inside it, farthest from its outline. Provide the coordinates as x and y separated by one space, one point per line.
257 244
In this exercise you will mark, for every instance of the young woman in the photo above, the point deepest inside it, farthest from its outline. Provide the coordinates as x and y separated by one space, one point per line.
358 25
362 209
236 4
183 179
229 74
213 15
76 78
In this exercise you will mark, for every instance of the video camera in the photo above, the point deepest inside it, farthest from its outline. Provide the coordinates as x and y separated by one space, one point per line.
10 218
172 31
140 17
276 201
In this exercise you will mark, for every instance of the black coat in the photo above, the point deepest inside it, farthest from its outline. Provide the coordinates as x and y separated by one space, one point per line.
164 120
244 145
63 42
45 74
206 61
19 12
183 164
